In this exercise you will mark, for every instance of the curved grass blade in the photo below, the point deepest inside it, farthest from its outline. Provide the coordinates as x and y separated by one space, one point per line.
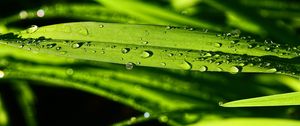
285 99
249 122
241 17
145 45
4 119
26 100
154 14
82 12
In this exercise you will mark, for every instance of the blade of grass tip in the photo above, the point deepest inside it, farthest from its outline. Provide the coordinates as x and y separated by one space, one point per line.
26 100
286 99
251 21
92 12
4 119
154 14
144 45
249 122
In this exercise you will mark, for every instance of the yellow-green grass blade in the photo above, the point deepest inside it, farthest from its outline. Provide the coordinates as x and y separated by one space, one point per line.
286 99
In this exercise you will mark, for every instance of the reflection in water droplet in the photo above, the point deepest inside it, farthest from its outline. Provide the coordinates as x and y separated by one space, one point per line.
203 68
125 50
185 65
32 29
129 65
21 46
101 26
1 74
146 54
146 114
163 64
234 69
170 54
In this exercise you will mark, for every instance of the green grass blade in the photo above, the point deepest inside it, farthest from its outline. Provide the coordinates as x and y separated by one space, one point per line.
26 100
285 99
241 17
154 14
249 122
4 119
81 12
156 46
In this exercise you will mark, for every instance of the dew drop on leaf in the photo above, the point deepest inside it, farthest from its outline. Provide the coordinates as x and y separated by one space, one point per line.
50 45
129 65
218 45
77 45
125 50
163 64
21 46
146 54
101 26
203 68
58 48
32 29
234 69
185 65
83 31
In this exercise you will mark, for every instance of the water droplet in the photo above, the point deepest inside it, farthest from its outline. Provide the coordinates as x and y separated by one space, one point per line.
146 114
1 74
32 29
185 65
129 65
164 118
191 29
58 48
272 70
146 54
234 69
101 26
203 68
70 71
21 46
221 103
163 64
50 45
267 48
102 52
169 27
145 42
125 50
207 55
77 45
170 54
83 31
218 44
